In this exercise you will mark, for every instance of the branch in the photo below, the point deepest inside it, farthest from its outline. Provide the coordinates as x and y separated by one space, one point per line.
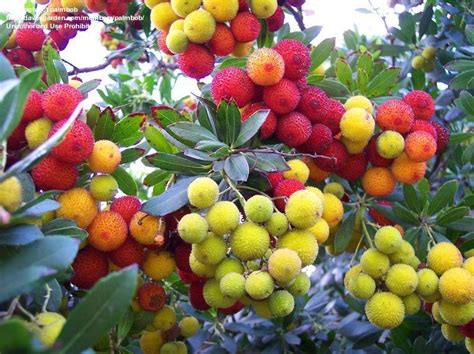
76 70
298 15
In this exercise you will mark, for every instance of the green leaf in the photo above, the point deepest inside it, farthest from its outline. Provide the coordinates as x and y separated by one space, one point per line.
235 62
156 177
89 86
407 25
344 233
405 214
344 73
15 336
191 132
20 235
469 32
460 65
105 126
267 162
61 70
173 199
392 50
468 154
156 139
463 80
125 181
131 155
314 79
444 197
250 127
178 163
466 103
6 72
311 33
50 55
237 168
102 307
127 130
64 227
383 82
333 88
366 63
458 138
411 198
425 20
322 52
93 115
22 268
206 114
351 40
6 29
451 215
228 122
418 79
464 224
362 80
165 116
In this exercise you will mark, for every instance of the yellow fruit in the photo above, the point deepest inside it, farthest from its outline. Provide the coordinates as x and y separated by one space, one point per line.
388 239
177 42
50 325
223 218
189 326
404 254
385 310
249 241
75 83
469 342
151 342
277 225
351 273
177 25
436 314
401 279
320 230
417 62
316 191
334 188
444 256
211 251
201 269
469 265
303 243
357 125
11 43
362 286
144 228
11 194
158 265
427 282
263 8
429 53
354 147
199 26
284 265
193 228
73 4
300 286
37 132
233 285
390 144
165 318
258 208
152 3
303 209
259 285
452 333
333 209
174 348
222 10
77 204
262 308
456 285
456 315
105 157
162 16
214 296
183 8
103 187
359 102
281 303
412 304
374 263
242 49
298 170
203 192
228 265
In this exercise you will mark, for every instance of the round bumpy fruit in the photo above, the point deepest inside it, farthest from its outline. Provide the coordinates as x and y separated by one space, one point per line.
60 100
165 319
404 254
199 26
103 187
232 84
320 230
223 217
281 303
444 256
395 115
193 228
269 126
456 315
177 41
283 97
334 158
357 125
245 27
388 239
37 132
359 102
284 265
105 157
214 296
89 266
293 129
221 12
362 286
456 285
144 228
407 171
228 265
296 57
313 104
265 67
107 231
158 265
33 108
222 42
298 170
259 285
378 182
249 241
319 140
151 342
420 146
355 167
77 204
302 242
183 8
130 252
76 146
277 225
401 279
300 285
276 21
443 137
196 62
201 269
333 210
412 304
30 36
284 190
50 326
151 296
162 16
390 144
233 285
263 8
385 310
126 206
10 194
422 104
374 263
303 209
189 326
427 282
203 192
211 251
258 208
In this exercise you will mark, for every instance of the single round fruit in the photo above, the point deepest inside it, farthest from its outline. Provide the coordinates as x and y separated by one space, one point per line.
302 242
105 157
196 62
320 230
222 42
183 8
259 285
177 41
165 318
162 16
420 146
374 263
245 27
357 125
50 326
277 225
422 104
223 218
60 100
126 206
334 188
390 144
232 84
89 266
214 296
76 146
77 204
281 303
211 251
151 296
283 98
456 285
199 26
103 187
303 209
385 310
401 279
130 252
395 115
378 182
144 228
203 192
300 285
444 256
33 108
293 129
222 12
284 265
233 285
158 265
151 342
37 132
456 315
189 326
412 304
333 211
298 170
263 8
11 194
258 208
359 102
107 231
404 254
296 57
228 265
407 171
427 282
201 269
249 241
193 228
362 286
388 239
265 67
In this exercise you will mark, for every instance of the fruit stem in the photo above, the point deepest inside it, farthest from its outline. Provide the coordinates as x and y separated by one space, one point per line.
46 298
235 189
367 236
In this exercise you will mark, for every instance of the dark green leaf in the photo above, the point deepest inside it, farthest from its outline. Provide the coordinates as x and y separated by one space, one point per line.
64 227
131 155
444 197
344 233
93 115
344 73
405 214
235 62
463 80
178 163
366 62
156 139
465 224
425 20
191 132
383 82
165 116
362 80
407 25
89 86
236 168
460 65
125 181
55 295
156 177
61 70
50 54
322 52
451 215
6 29
350 38
127 130
457 138
333 88
15 336
392 50
228 122
411 198
250 127
267 162
105 126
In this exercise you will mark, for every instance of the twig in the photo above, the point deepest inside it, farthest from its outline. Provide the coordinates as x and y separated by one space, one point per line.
235 189
11 309
298 15
366 234
47 297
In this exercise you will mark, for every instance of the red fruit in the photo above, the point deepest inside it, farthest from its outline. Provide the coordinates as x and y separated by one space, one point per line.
52 174
188 277
67 31
313 104
151 297
334 112
442 137
427 306
276 21
76 146
283 97
96 5
196 62
61 43
270 125
33 108
116 8
296 56
302 84
181 254
162 43
89 266
245 27
243 6
229 311
293 129
334 158
126 206
355 167
173 219
222 42
378 217
258 96
373 156
468 329
422 104
30 36
232 84
17 139
284 190
60 101
319 140
395 115
196 298
130 252
424 126
274 178
20 56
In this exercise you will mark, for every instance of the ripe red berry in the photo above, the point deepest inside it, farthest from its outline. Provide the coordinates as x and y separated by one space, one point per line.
313 104
270 124
181 254
373 156
334 158
284 190
76 146
17 139
232 84
283 97
355 167
333 115
296 56
468 329
229 311
60 101
319 140
378 217
196 62
59 40
52 174
276 21
196 297
20 56
424 126
274 178
126 206
151 297
189 277
222 42
442 137
245 27
422 104
33 108
89 266
395 115
130 252
293 129
30 36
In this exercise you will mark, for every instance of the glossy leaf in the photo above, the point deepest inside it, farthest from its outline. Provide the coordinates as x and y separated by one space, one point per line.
228 122
250 127
443 197
20 235
344 73
191 132
237 168
333 88
127 130
344 233
178 163
383 82
156 139
125 181
322 52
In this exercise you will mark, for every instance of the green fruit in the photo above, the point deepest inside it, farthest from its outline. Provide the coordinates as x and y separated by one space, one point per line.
334 188
385 310
229 265
258 208
263 8
300 285
412 304
201 269
284 265
418 62
452 333
362 286
277 225
211 251
193 228
103 187
435 313
233 285
214 297
388 239
189 326
427 282
281 303
303 209
223 218
404 254
429 53
390 144
249 241
351 273
259 285
456 315
50 325
199 26
401 279
374 263
302 242
203 192
177 42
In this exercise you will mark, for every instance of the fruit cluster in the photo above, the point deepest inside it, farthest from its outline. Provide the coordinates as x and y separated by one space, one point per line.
218 28
258 260
109 42
424 61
